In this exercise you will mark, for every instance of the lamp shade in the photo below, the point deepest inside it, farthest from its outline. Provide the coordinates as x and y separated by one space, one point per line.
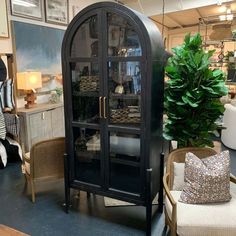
29 80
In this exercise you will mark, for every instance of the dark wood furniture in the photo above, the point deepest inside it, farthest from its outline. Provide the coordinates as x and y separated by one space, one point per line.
113 61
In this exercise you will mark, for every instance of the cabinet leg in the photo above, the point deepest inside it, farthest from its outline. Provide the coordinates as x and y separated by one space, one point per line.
149 219
148 203
160 196
67 187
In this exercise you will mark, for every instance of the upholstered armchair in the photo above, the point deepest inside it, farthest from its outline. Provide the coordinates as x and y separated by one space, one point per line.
44 162
195 219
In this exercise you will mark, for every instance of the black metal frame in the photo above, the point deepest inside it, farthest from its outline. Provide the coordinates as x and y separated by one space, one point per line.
153 54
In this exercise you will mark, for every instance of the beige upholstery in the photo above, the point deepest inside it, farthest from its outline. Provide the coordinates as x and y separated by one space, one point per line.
44 162
205 219
202 219
228 135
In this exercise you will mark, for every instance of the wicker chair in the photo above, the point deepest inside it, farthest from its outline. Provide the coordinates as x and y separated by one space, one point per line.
171 216
44 162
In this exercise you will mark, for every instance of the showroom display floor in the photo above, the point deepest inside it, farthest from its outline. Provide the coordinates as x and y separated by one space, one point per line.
87 216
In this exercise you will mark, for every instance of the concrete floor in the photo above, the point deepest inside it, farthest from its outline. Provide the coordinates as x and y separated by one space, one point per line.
87 216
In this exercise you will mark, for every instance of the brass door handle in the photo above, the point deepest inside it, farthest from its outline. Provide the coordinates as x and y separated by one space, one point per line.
104 107
100 107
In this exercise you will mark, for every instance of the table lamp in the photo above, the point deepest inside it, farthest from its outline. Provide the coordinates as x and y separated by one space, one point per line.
29 81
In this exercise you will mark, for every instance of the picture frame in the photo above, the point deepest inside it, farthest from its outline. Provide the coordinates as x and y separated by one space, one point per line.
40 52
4 31
28 9
56 12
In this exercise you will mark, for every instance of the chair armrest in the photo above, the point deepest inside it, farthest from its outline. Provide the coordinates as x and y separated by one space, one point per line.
26 157
171 199
167 190
232 178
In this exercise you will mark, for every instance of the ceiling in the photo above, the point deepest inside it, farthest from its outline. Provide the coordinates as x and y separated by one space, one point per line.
180 13
191 17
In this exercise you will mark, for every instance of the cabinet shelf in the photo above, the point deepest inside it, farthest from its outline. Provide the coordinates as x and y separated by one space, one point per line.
124 96
86 94
124 162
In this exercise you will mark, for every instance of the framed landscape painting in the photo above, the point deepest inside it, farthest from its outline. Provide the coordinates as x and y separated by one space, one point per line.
3 20
38 48
27 8
56 11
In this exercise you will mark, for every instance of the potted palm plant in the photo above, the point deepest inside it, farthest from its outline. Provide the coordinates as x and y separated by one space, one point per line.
192 95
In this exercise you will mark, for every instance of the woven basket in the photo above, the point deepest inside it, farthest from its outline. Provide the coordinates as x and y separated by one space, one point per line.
121 116
89 83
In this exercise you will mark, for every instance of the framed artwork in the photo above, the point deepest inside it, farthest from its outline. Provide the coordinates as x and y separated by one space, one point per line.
56 11
39 52
3 20
27 9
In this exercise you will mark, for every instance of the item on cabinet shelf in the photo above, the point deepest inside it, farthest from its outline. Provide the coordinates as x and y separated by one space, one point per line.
93 143
93 28
129 146
131 114
94 49
119 89
89 83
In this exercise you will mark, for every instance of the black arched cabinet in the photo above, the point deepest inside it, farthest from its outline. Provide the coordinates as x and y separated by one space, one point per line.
113 61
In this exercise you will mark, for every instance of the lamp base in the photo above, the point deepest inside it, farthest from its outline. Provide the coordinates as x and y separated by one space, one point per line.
30 99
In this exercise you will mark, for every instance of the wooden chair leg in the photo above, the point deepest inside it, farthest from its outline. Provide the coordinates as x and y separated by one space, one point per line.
32 190
166 222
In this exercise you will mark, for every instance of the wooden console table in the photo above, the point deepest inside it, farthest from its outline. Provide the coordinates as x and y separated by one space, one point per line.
45 121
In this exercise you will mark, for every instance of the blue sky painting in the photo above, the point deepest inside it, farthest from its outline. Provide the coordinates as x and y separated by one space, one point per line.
38 48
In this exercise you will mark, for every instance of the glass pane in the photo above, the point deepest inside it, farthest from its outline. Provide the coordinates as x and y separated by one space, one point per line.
87 155
85 91
122 38
85 41
125 162
124 92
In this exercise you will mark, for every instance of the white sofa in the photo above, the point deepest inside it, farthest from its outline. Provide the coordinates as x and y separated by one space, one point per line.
228 135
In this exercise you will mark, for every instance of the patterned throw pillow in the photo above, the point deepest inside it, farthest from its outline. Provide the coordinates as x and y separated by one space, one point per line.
2 127
206 180
7 94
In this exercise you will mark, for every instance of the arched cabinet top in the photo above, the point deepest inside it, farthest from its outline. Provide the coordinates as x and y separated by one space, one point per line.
149 37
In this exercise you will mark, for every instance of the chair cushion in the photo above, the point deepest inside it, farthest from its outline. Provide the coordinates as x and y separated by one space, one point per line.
206 180
178 182
218 219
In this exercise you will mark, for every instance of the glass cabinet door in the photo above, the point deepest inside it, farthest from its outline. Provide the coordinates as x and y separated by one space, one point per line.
124 84
85 41
124 162
85 74
85 88
123 40
124 74
87 152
